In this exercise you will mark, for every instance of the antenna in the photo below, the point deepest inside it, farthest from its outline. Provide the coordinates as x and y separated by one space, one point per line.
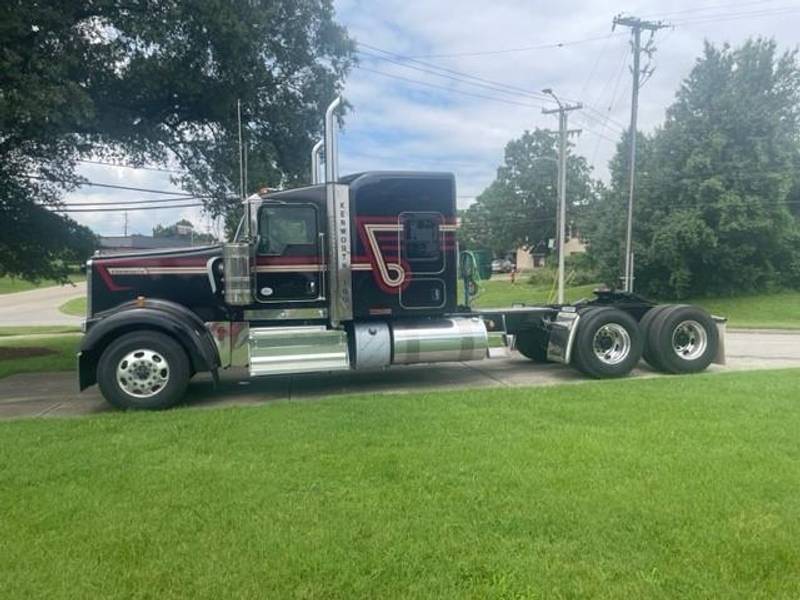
241 148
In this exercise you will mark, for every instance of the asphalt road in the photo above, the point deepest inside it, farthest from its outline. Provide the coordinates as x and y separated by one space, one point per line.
40 306
53 395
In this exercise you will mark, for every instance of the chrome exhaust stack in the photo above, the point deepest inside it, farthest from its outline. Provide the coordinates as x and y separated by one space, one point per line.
315 162
331 150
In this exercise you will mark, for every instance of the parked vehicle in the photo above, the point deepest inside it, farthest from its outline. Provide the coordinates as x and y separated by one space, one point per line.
359 272
502 265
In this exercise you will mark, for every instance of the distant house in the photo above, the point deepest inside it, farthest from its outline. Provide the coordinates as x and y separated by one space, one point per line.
534 257
531 257
114 244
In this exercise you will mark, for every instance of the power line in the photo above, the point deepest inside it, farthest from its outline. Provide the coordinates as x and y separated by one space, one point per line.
446 89
455 91
126 166
537 95
108 185
405 65
605 116
492 85
127 202
613 99
92 210
721 17
706 8
514 50
763 12
585 86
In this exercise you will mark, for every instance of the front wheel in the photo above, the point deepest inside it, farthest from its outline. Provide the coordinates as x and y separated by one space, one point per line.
143 370
608 343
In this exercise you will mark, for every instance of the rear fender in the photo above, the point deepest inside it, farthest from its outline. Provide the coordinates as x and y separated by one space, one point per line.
154 315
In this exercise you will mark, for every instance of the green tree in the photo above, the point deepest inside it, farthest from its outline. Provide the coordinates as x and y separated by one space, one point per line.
714 187
519 206
157 82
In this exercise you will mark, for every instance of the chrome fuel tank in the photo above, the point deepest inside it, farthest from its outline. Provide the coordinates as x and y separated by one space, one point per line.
439 340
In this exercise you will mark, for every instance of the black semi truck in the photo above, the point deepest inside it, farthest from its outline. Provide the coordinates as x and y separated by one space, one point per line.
358 272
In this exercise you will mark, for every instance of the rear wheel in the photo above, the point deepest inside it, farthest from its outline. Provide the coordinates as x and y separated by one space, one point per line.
608 343
143 370
532 344
646 327
684 339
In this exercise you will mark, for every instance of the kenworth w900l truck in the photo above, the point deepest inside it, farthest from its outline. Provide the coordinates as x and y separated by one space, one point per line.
358 272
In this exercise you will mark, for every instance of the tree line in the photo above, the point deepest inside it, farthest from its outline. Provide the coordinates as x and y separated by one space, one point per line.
154 83
717 207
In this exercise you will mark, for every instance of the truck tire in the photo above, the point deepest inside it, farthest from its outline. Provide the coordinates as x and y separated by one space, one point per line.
684 339
143 370
608 343
646 327
532 344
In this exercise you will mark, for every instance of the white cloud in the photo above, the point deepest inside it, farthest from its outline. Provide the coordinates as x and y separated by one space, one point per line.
402 125
595 72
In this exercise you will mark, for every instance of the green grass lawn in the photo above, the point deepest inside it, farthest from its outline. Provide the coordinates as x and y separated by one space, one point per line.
679 487
76 307
769 311
37 329
498 293
9 285
63 358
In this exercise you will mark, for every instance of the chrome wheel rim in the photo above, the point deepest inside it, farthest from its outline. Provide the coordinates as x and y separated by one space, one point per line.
689 340
611 344
142 373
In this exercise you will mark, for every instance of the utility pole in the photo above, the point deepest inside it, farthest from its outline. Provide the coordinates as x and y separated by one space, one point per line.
126 223
636 25
561 219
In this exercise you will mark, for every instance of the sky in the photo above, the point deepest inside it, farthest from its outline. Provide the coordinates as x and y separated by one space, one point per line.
413 115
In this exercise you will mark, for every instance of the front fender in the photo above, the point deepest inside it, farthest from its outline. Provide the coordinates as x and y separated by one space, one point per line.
157 315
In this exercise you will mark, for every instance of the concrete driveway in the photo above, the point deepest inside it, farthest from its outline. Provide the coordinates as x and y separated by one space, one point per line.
39 307
55 394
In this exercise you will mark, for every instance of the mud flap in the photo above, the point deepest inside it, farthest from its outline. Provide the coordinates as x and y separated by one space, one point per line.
562 336
721 323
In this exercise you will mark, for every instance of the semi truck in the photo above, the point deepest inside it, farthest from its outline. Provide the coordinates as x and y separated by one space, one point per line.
348 273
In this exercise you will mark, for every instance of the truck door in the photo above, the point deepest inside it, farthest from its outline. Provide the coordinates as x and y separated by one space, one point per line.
289 261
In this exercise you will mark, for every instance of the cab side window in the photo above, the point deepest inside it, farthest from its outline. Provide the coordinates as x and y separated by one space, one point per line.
284 229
